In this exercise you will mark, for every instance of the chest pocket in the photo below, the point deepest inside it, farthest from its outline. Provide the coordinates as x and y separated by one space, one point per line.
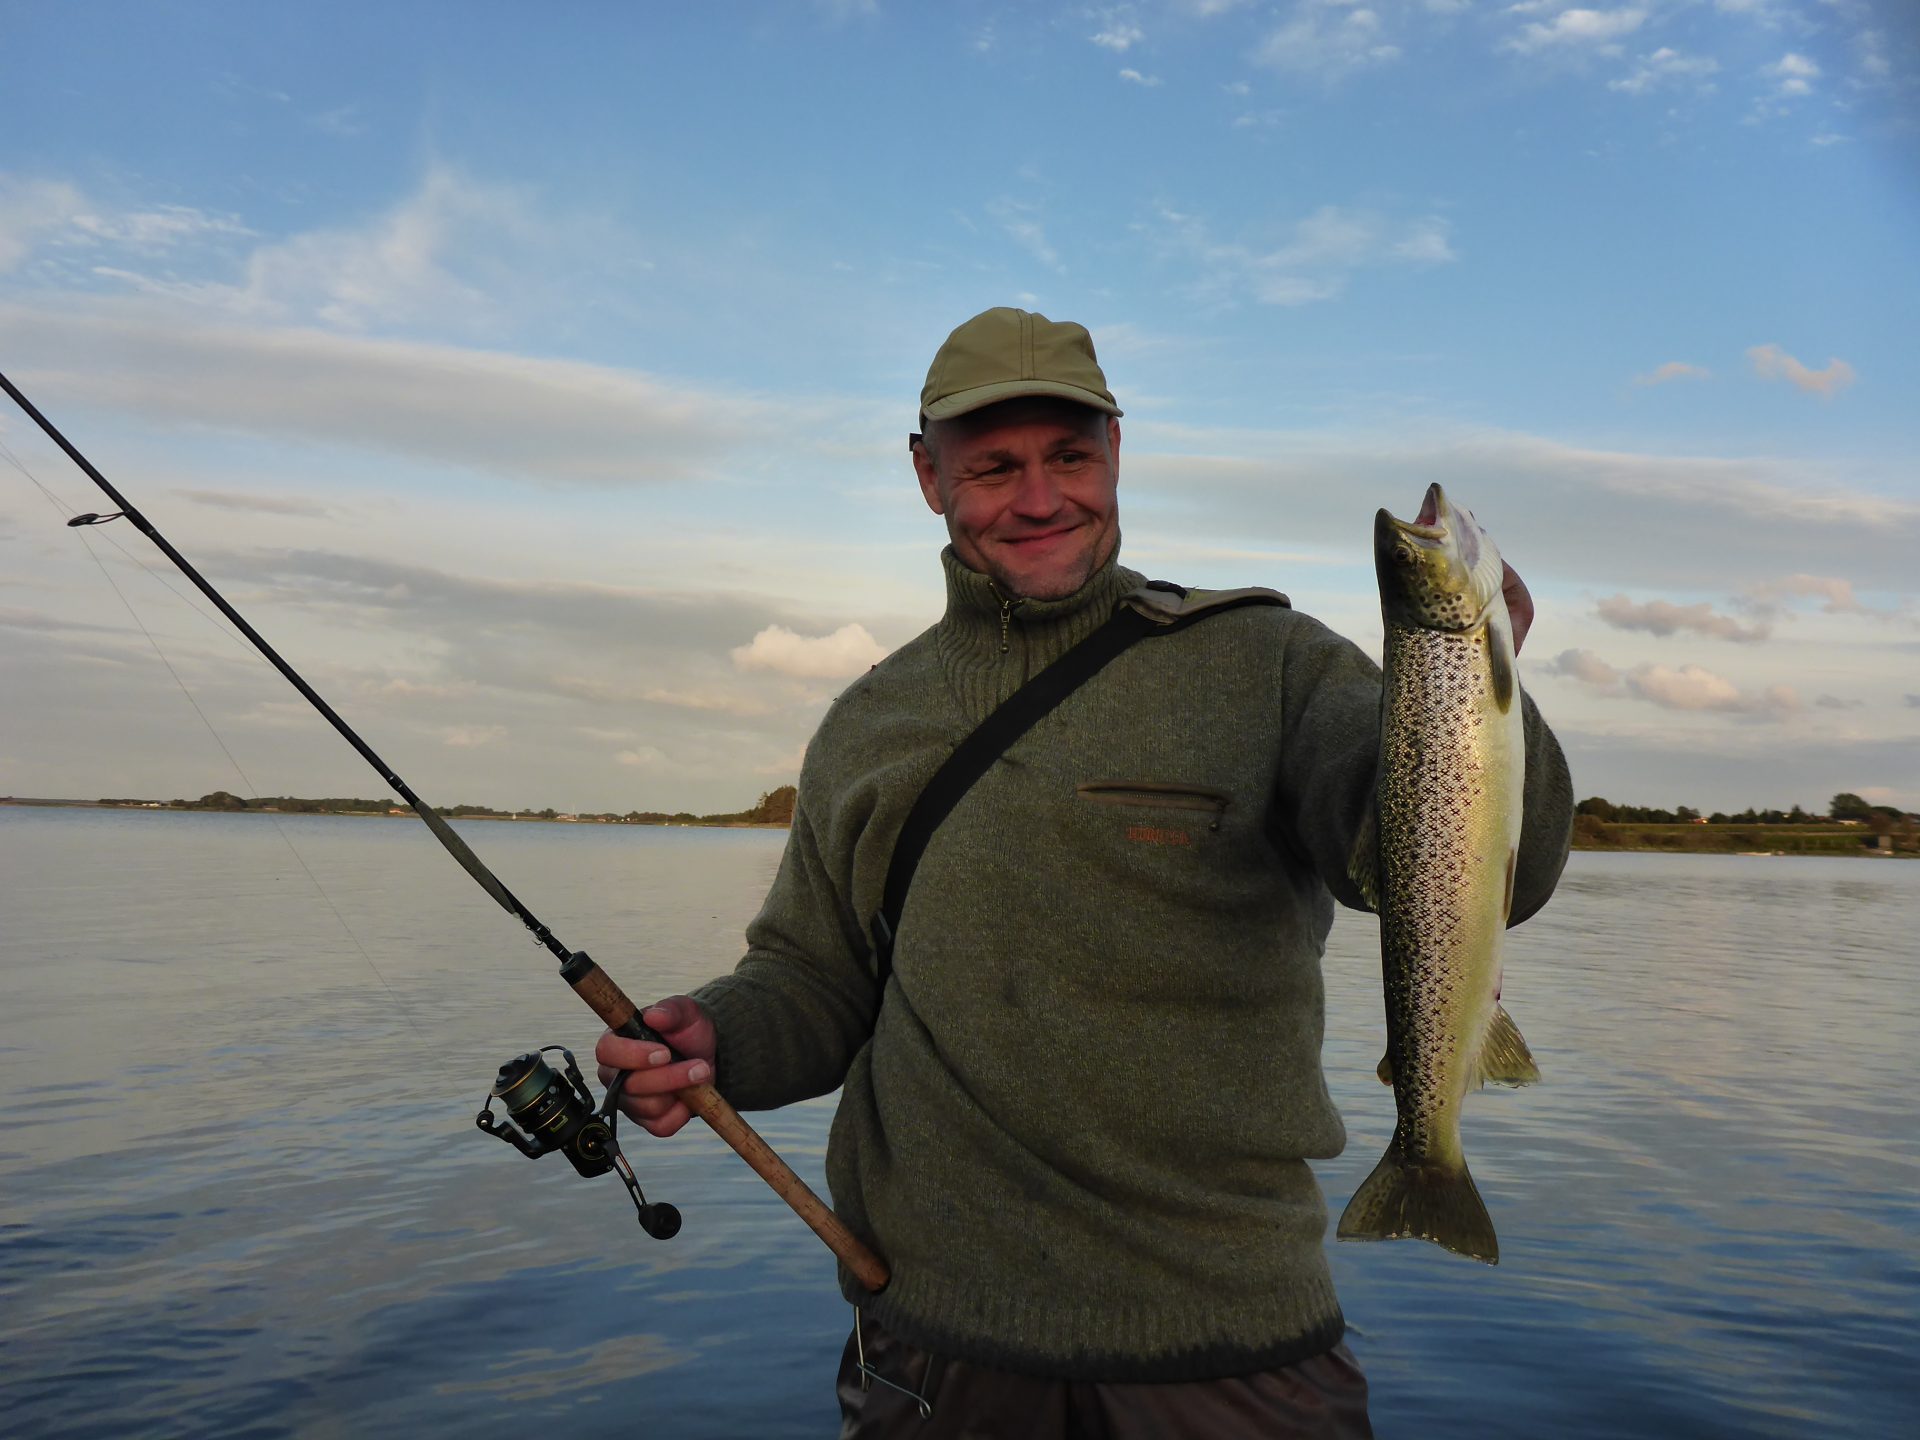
1158 812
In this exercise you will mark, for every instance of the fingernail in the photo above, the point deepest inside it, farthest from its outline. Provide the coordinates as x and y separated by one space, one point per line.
659 1057
699 1072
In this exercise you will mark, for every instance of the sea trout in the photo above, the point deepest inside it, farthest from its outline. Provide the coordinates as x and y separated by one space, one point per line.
1436 860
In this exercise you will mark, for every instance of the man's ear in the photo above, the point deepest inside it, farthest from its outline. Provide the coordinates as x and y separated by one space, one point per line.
924 472
1113 441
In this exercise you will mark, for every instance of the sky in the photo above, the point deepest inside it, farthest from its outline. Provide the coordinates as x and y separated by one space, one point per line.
537 379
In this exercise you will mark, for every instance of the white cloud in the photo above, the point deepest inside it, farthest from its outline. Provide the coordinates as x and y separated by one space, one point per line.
1662 67
845 653
1314 259
1875 64
1793 73
549 420
343 122
1134 77
261 504
31 210
1020 220
1578 28
1672 370
468 737
646 758
436 261
1691 687
1683 688
1118 36
1770 362
1425 243
1584 666
1327 38
158 228
1663 617
1836 593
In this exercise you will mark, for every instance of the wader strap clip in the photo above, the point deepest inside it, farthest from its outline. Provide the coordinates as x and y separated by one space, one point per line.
869 1374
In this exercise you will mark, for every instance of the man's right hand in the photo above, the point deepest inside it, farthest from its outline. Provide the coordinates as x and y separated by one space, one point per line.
651 1095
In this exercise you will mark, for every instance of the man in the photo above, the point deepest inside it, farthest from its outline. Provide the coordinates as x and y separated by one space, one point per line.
1076 1115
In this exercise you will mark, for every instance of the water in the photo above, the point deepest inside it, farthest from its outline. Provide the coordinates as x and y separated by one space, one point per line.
241 1193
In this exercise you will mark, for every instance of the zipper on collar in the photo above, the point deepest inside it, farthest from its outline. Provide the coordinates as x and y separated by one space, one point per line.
1007 607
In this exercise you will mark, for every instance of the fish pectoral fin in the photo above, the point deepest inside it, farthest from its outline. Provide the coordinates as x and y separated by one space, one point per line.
1363 862
1401 1200
1385 1068
1504 1057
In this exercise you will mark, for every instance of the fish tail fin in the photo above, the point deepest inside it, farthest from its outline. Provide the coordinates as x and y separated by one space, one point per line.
1428 1202
1504 1057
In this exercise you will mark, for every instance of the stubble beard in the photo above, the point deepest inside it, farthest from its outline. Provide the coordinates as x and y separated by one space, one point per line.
1083 570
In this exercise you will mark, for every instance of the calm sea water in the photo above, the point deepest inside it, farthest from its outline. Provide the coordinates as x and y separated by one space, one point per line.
241 1193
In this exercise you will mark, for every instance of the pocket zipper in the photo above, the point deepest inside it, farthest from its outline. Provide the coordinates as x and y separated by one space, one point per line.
1158 793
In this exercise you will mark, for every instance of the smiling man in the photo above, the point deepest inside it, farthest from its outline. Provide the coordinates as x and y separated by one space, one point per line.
1079 1068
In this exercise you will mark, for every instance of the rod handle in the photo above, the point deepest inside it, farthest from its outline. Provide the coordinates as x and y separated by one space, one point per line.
607 1000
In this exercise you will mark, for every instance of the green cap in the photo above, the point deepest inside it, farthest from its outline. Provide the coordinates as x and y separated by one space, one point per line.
1003 354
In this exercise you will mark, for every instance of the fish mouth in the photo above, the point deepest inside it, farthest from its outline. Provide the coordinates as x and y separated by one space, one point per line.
1430 526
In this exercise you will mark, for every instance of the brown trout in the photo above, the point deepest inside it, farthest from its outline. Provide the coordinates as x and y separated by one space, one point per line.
1436 860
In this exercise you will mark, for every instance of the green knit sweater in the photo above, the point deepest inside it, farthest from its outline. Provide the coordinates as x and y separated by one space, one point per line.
1078 1128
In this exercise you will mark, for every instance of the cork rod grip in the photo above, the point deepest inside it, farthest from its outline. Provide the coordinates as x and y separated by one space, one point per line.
611 1004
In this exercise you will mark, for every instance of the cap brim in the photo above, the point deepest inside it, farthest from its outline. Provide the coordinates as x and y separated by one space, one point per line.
965 402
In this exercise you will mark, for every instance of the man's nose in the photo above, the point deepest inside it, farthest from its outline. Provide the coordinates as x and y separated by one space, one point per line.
1037 495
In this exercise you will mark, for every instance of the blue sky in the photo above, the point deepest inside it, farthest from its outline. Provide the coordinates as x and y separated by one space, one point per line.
537 381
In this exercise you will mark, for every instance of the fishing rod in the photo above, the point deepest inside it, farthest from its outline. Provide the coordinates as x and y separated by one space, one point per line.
551 1110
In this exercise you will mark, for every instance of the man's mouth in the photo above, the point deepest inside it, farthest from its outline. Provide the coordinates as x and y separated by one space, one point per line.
1038 538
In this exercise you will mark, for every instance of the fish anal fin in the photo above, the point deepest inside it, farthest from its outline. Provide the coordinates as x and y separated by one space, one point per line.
1504 1057
1403 1200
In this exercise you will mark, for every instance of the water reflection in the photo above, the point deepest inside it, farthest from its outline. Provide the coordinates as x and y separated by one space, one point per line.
245 1195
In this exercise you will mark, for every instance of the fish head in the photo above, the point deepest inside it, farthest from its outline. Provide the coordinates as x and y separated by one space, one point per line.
1438 571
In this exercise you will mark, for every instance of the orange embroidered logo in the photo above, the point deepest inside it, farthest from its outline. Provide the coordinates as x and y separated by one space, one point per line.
1157 835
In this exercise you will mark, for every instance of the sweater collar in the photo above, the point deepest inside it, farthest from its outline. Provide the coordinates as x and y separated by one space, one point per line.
991 644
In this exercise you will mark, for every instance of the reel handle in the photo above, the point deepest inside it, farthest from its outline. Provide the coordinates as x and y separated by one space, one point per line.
607 1000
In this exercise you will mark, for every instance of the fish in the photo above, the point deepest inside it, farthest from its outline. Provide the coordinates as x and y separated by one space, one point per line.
1435 859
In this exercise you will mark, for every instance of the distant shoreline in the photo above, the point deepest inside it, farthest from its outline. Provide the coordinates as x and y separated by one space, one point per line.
525 817
1695 839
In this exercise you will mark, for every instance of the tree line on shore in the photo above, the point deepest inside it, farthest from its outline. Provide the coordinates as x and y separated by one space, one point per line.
774 807
1851 824
1845 807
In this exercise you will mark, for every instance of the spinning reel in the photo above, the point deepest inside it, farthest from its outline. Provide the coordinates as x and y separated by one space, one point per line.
556 1112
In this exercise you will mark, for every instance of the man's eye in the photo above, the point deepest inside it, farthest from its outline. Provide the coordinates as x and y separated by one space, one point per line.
1071 457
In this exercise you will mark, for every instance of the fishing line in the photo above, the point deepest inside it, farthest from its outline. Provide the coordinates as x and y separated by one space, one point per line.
533 1086
67 513
246 781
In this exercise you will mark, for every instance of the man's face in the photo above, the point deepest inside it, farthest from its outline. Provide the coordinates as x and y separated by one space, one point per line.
1027 488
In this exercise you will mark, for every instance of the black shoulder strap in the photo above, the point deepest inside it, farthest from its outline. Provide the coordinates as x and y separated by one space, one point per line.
1011 719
